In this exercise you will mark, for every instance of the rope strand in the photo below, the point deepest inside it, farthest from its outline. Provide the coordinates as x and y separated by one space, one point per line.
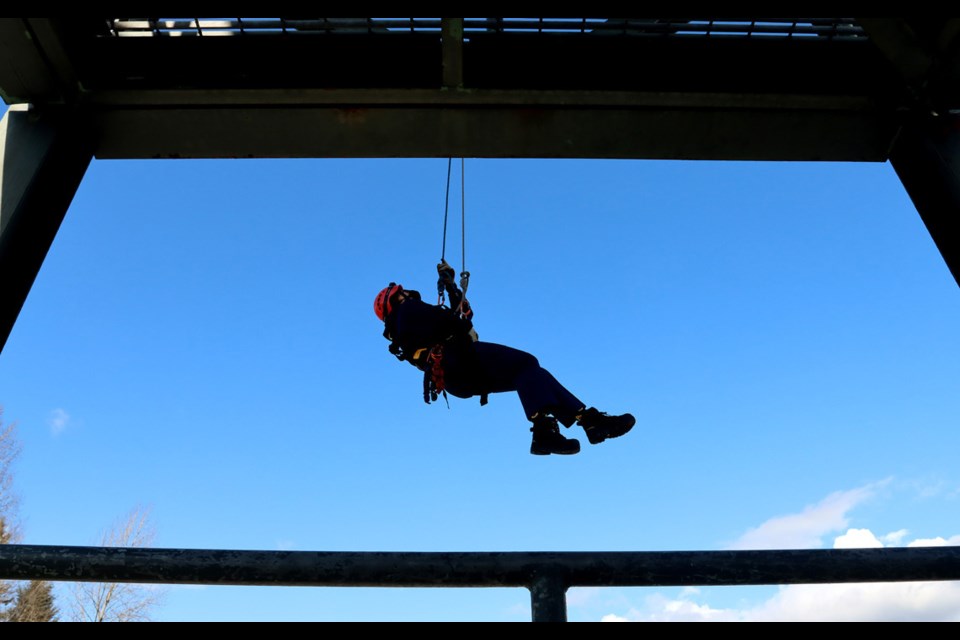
446 209
464 274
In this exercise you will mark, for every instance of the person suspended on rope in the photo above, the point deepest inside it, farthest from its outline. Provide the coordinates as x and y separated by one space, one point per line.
441 342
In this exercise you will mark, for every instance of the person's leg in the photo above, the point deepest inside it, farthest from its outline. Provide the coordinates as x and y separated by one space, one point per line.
548 439
507 369
541 393
495 368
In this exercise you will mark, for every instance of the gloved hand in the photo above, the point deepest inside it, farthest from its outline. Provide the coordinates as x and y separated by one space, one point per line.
465 310
446 272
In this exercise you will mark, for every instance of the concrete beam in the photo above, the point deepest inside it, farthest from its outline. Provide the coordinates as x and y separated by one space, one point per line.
24 74
43 157
480 130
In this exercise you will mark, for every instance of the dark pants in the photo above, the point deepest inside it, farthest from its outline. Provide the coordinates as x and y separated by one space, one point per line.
485 367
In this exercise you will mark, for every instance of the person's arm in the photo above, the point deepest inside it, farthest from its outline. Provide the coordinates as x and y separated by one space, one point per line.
447 283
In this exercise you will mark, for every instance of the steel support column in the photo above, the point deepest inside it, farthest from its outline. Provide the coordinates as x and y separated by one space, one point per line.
548 597
452 40
43 157
926 157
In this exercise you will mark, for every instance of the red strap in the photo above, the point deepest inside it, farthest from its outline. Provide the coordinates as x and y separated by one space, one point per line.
436 370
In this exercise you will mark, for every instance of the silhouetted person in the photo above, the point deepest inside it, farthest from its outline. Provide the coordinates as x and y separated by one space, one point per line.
441 342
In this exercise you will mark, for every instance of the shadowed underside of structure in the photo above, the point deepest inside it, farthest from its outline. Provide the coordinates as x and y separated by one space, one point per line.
801 89
767 89
708 88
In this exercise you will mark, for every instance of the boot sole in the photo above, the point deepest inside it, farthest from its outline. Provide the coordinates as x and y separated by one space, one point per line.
546 452
603 435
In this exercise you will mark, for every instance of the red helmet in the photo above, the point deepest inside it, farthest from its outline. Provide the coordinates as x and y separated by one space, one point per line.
381 304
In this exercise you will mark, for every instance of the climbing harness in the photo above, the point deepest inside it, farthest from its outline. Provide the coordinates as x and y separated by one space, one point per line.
430 359
433 384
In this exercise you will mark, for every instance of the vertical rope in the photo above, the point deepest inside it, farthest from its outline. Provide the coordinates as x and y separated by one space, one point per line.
464 274
464 306
446 209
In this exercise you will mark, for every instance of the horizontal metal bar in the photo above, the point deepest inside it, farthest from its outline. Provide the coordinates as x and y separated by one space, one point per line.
489 131
359 98
669 26
829 27
275 24
477 569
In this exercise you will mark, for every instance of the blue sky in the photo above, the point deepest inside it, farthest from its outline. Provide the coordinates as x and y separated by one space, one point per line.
201 340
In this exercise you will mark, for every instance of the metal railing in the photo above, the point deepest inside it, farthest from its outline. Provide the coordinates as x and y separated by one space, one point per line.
547 575
795 28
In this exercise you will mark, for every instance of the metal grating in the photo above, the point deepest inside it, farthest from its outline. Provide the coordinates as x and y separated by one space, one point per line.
796 28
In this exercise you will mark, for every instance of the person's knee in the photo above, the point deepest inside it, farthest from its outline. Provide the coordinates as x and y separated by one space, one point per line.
528 360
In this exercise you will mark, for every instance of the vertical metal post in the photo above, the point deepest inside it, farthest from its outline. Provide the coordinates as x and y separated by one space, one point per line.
926 157
548 597
451 38
43 157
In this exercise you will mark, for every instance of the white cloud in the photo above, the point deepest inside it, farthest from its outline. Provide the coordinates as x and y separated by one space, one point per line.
286 545
689 592
613 618
686 609
857 539
894 538
936 542
806 530
880 602
867 602
58 421
883 602
682 609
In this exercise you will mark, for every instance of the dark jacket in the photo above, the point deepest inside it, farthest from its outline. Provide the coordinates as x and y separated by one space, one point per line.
415 327
466 367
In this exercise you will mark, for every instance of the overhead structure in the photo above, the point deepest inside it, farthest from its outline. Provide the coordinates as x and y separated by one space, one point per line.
801 89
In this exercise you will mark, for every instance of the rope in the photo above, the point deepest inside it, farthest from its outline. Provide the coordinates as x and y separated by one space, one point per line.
446 210
464 274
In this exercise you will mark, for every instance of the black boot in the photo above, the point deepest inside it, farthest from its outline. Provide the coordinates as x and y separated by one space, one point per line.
547 438
599 426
